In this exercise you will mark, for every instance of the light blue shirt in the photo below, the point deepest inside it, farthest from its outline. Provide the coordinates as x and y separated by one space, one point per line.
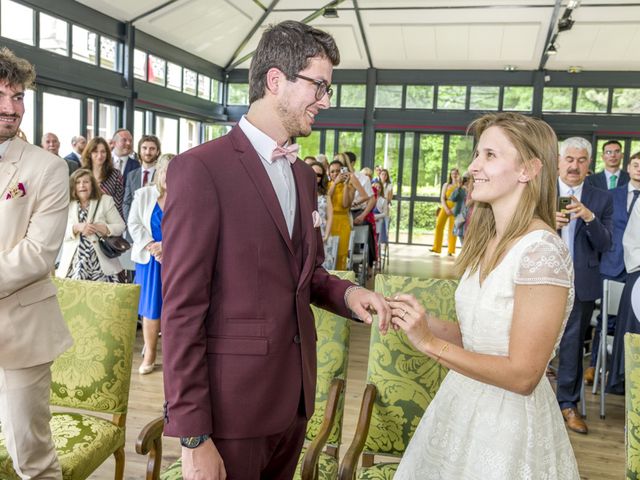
569 232
279 170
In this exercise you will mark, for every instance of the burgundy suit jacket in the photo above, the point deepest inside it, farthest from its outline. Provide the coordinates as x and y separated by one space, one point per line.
238 335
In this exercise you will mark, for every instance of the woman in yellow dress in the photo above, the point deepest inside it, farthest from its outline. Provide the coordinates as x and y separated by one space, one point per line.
446 214
341 192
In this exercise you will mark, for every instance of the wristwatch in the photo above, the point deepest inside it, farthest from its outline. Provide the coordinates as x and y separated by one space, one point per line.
193 442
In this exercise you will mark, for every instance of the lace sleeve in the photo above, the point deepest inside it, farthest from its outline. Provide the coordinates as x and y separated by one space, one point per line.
546 262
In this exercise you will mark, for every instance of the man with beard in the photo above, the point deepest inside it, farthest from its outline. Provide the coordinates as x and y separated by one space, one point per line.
78 143
34 198
148 153
242 260
586 229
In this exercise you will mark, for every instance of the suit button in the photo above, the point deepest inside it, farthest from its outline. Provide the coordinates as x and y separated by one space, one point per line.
296 339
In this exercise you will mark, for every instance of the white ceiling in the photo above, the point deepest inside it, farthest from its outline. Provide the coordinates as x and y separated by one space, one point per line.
405 34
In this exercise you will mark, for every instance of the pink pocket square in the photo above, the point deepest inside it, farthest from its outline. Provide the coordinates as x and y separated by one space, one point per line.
317 221
16 191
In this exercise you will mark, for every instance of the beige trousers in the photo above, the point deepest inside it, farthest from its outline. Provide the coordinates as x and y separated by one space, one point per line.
24 419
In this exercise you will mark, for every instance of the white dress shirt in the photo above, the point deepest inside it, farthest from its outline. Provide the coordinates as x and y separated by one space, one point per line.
279 170
119 162
568 232
151 171
631 241
630 190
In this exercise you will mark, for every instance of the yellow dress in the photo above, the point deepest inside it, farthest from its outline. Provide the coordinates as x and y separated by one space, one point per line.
341 226
440 223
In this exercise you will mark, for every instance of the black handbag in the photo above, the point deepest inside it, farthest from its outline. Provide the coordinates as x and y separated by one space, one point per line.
111 245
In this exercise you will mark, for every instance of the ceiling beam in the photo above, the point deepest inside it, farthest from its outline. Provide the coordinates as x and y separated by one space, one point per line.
253 30
233 64
152 11
551 34
364 36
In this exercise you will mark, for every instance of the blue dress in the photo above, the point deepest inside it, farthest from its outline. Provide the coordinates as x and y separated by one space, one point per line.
148 275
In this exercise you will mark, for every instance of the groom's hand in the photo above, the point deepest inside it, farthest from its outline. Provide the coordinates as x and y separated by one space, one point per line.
203 463
364 303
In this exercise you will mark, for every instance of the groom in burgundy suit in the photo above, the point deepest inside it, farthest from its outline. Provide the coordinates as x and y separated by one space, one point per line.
242 261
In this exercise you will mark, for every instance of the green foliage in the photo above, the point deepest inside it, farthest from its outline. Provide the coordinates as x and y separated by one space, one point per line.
452 97
419 96
389 96
238 94
353 96
351 142
592 100
484 98
557 99
626 100
309 145
519 99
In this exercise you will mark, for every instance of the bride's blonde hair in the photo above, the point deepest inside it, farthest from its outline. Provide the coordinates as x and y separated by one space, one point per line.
533 139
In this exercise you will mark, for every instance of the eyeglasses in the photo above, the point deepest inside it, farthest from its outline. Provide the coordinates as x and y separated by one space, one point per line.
322 87
611 152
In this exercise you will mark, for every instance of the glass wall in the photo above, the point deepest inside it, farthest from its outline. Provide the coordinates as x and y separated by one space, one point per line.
61 115
167 132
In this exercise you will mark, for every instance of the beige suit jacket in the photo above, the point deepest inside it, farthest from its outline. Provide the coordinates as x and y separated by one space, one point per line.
32 330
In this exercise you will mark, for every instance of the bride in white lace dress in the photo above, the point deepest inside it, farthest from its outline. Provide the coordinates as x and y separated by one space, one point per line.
495 415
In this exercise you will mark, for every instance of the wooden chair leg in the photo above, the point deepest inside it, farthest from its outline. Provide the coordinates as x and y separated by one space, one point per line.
119 456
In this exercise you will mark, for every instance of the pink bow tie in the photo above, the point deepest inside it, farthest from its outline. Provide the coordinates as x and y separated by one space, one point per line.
290 153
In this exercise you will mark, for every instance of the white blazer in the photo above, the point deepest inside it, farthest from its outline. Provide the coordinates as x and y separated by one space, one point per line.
139 222
107 213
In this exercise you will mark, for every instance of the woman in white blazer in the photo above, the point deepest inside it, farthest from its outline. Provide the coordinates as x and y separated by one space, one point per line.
145 217
91 213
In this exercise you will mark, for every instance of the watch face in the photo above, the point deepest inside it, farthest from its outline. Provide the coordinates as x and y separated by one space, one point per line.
193 442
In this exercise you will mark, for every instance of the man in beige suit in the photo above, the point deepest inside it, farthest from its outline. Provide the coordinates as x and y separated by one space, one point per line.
34 197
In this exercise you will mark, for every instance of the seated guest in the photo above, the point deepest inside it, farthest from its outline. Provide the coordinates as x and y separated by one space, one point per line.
612 176
612 263
144 223
91 213
627 321
97 158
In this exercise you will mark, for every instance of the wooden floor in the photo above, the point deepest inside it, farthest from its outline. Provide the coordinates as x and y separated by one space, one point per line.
600 454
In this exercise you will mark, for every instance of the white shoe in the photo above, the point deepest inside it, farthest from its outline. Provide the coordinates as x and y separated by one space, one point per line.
146 369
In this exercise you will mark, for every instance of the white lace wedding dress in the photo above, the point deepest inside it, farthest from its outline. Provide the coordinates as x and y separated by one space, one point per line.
472 430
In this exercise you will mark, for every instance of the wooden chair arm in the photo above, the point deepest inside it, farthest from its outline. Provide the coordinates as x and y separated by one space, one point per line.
310 460
349 463
149 442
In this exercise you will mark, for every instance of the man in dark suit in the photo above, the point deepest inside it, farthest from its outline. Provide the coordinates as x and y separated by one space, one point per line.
123 157
612 176
612 264
148 153
77 144
586 229
242 260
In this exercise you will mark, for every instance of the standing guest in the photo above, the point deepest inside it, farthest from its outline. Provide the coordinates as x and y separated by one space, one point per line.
612 176
78 143
341 193
461 196
123 157
612 262
148 153
91 213
144 226
325 210
445 214
34 196
586 230
627 320
322 158
383 204
51 144
97 158
495 416
238 334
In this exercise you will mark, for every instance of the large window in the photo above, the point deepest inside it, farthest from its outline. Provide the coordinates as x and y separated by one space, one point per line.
213 130
626 100
430 165
353 96
60 115
190 82
420 96
557 99
516 98
592 100
53 34
157 73
351 142
167 132
108 120
84 45
389 96
174 76
110 53
451 97
460 152
309 145
484 98
139 64
238 94
16 22
189 134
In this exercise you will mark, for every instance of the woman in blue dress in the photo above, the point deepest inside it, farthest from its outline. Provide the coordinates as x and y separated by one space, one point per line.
145 218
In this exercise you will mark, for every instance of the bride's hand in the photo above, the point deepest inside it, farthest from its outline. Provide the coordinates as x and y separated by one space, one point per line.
407 314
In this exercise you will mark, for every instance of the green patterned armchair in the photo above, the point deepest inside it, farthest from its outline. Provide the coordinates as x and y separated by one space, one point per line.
632 400
93 375
401 382
319 458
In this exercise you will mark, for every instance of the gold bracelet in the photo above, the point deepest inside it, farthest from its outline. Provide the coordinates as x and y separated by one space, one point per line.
443 349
